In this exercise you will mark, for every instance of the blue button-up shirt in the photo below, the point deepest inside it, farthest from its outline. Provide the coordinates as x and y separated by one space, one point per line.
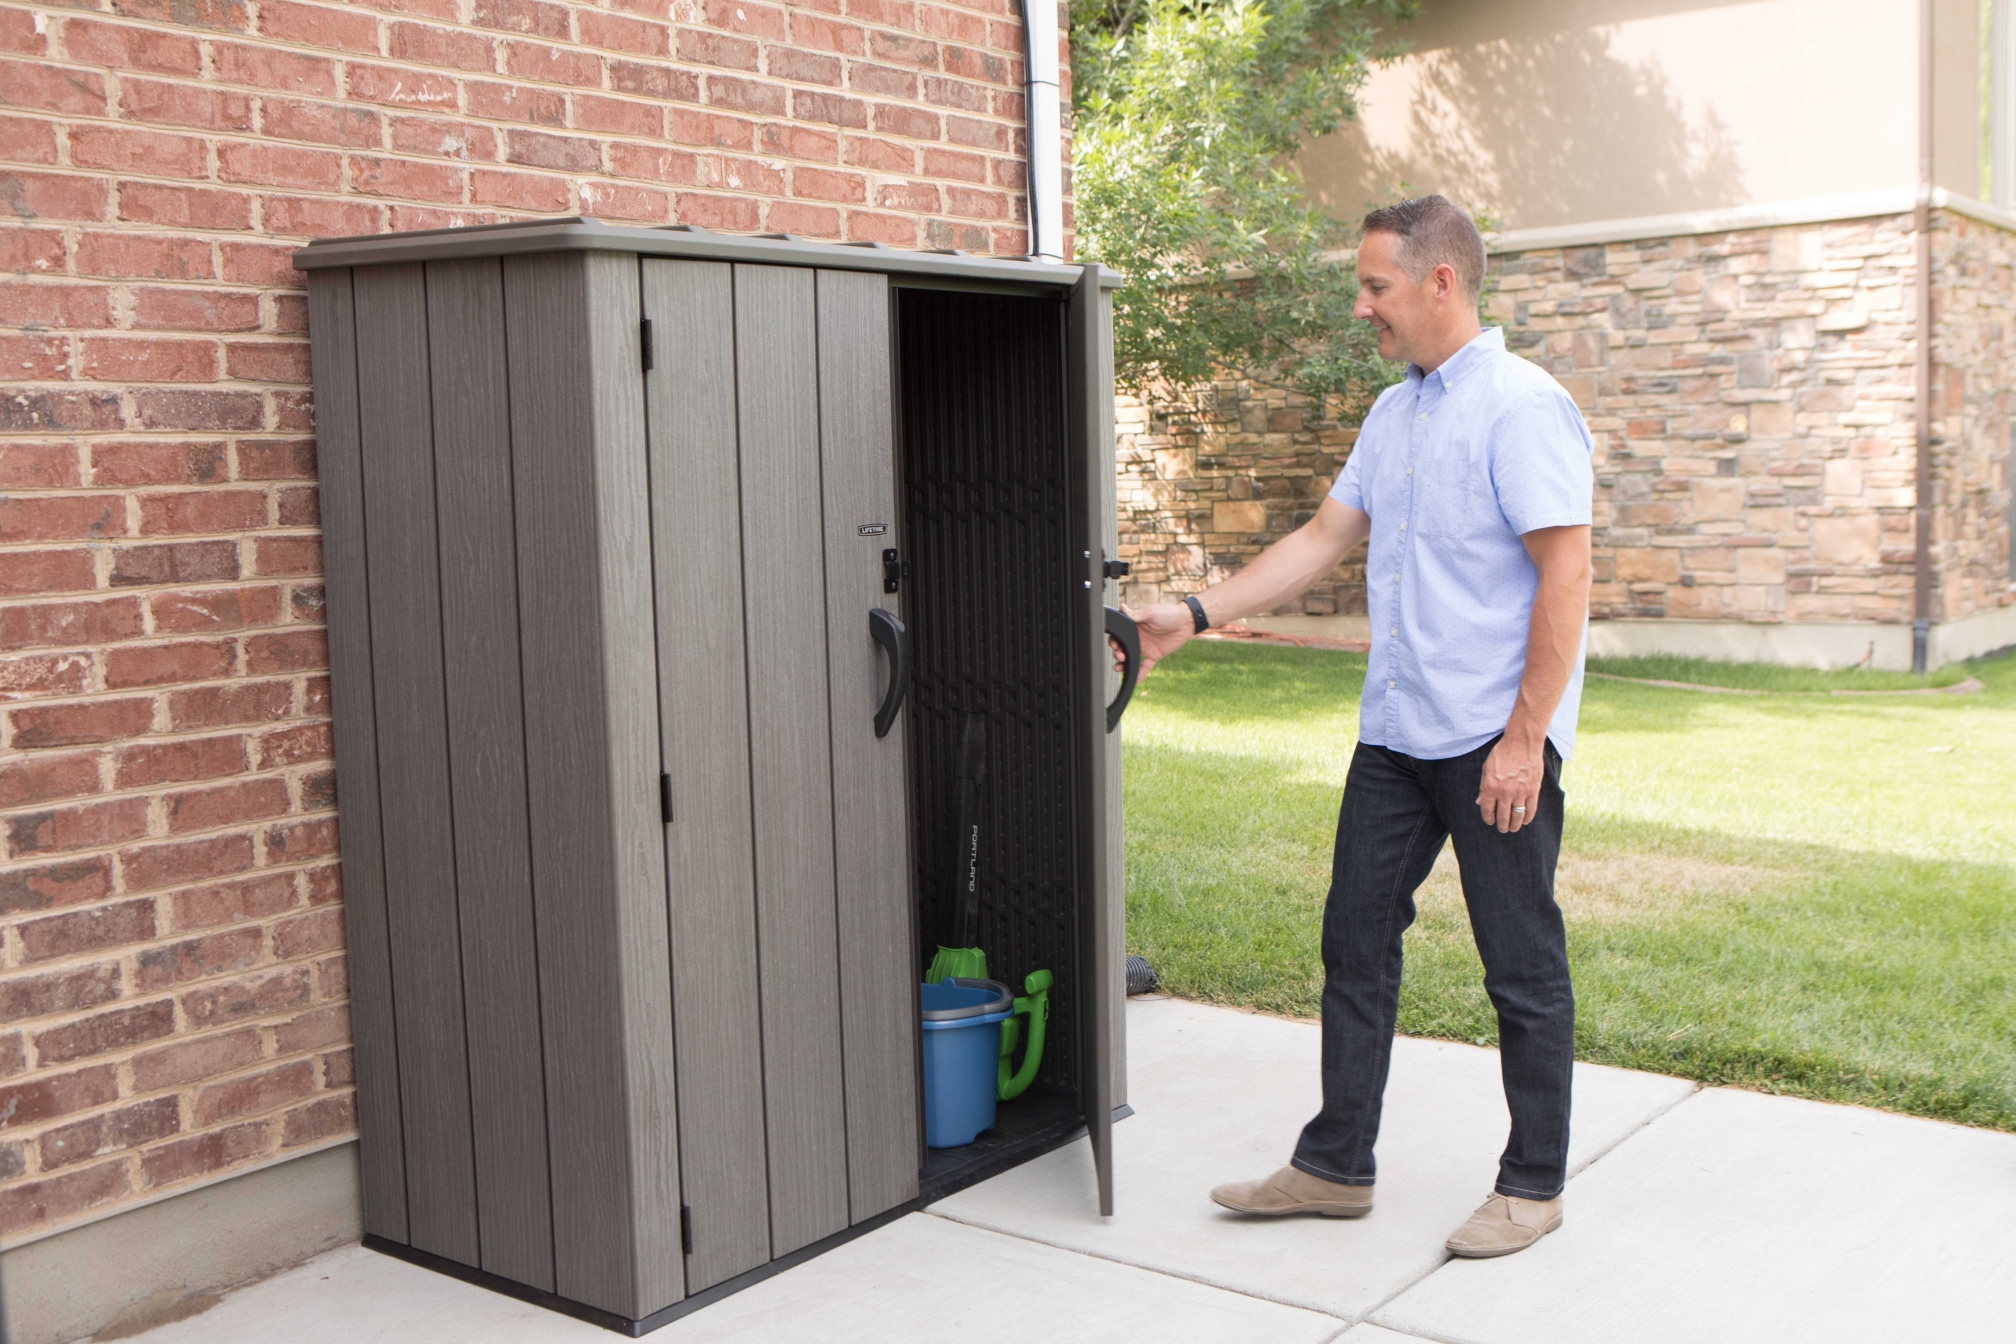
1453 467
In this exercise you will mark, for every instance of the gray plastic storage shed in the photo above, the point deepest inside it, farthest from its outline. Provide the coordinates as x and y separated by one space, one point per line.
637 893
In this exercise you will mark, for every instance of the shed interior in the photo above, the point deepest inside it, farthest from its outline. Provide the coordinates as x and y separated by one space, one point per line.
986 472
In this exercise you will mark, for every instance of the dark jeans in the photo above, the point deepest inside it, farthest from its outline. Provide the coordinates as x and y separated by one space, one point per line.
1396 812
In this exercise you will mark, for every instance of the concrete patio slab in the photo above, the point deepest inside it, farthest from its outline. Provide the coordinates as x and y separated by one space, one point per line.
920 1278
355 1296
1220 1095
1749 1219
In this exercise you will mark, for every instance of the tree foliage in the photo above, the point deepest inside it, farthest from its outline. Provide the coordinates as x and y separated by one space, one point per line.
1188 116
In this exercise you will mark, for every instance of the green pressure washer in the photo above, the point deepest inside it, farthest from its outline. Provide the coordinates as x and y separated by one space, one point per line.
957 955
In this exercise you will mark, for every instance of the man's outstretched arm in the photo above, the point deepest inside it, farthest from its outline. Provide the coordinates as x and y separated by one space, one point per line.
1282 571
1512 773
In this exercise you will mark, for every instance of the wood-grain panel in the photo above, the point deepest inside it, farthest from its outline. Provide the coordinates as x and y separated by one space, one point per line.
486 765
790 755
591 752
704 734
332 323
871 843
411 712
1089 367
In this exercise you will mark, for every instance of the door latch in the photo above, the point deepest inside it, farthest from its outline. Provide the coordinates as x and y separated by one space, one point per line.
895 569
1116 569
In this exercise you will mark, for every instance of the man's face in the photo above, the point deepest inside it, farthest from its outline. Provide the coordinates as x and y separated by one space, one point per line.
1403 312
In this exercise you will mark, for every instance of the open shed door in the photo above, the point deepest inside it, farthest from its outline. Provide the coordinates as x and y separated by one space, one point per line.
1089 349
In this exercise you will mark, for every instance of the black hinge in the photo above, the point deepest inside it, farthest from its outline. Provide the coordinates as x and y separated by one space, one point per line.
644 330
665 798
686 1229
1116 569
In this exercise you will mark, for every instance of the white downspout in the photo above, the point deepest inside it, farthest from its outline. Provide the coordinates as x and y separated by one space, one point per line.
1041 97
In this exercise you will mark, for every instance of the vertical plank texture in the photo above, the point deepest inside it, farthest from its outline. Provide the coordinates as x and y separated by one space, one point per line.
486 766
1090 366
783 563
1113 893
871 844
395 417
591 750
704 730
331 319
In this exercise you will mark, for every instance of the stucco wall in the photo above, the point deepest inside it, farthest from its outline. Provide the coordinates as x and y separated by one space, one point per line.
1564 111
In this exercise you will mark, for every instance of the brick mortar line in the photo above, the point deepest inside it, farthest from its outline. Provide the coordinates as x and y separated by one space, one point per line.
343 56
126 1055
289 774
117 954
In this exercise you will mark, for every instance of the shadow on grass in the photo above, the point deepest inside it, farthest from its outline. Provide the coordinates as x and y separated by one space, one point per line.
1839 975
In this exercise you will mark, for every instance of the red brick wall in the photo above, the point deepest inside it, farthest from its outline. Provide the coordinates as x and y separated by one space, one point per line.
171 969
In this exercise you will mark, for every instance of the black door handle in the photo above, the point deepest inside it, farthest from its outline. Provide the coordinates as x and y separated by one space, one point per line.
887 631
1120 626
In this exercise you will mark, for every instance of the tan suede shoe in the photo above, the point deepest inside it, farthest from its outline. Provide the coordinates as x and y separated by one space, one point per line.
1292 1190
1504 1224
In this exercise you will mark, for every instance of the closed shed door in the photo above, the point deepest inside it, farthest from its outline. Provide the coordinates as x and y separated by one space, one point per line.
773 497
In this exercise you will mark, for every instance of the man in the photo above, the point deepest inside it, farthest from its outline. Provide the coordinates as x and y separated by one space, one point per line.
1471 478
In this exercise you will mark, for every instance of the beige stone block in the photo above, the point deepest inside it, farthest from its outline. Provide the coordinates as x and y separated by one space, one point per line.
1819 607
1771 420
1648 565
1797 333
1241 517
1721 294
1843 319
1761 565
1693 602
1843 478
1717 497
1176 464
1847 539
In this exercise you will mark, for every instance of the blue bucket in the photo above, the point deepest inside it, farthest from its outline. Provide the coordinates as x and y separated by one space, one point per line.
962 1053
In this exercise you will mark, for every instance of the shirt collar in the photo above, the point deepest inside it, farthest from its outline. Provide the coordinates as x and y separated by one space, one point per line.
1479 348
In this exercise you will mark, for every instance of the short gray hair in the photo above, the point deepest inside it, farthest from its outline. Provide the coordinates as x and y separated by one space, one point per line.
1433 232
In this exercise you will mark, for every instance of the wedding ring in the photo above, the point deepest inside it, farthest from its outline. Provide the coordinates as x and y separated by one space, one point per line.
1519 809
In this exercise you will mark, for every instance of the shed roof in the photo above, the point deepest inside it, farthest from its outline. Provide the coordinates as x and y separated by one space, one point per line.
582 234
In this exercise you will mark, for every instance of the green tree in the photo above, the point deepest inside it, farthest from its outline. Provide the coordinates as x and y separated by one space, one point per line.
1188 114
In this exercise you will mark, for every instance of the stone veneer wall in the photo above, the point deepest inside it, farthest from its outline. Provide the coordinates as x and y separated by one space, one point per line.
1206 486
1750 394
1974 353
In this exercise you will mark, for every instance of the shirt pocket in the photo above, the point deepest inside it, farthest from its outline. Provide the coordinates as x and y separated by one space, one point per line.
1450 495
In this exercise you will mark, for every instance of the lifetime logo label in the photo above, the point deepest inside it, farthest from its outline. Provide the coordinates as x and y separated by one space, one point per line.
872 529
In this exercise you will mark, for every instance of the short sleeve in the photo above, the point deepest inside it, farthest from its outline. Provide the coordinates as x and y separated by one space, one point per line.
1348 490
1540 467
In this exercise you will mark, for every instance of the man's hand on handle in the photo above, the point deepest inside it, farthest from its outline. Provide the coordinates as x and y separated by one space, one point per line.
1164 628
1276 575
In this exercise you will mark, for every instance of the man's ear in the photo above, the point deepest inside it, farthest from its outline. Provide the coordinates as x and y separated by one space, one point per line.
1445 281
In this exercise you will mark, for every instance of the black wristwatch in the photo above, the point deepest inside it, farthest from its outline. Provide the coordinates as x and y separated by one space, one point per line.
1197 615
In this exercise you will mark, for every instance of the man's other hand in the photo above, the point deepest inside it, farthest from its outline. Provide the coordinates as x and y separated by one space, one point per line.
1511 786
1165 628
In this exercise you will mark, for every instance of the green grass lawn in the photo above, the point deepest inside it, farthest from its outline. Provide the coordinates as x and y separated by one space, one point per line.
1809 894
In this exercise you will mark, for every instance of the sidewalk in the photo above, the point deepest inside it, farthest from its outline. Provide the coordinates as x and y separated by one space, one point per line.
1692 1215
